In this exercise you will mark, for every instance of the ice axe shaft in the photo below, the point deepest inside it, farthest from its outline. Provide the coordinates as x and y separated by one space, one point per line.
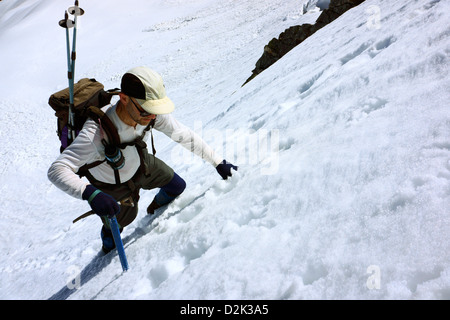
118 241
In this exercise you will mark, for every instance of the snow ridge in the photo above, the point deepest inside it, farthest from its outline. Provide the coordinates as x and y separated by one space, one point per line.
343 150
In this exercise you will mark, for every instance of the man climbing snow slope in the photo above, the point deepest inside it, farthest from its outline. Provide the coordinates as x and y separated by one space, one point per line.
113 190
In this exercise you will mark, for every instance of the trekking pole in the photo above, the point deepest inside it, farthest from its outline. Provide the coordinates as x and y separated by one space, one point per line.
118 241
67 24
75 11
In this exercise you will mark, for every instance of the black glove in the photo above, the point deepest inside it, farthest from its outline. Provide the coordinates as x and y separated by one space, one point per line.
224 169
101 203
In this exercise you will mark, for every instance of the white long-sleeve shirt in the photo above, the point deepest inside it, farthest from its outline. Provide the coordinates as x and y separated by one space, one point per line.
88 148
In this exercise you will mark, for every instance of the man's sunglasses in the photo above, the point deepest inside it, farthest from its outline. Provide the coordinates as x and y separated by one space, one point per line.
142 112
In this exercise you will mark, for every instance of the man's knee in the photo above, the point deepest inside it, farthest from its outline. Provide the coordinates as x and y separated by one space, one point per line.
176 186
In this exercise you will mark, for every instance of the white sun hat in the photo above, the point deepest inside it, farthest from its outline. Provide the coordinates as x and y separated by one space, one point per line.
147 87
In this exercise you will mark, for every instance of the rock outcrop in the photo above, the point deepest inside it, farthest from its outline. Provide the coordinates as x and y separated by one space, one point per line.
295 35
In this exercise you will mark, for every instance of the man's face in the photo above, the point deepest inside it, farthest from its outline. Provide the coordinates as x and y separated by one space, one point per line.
138 114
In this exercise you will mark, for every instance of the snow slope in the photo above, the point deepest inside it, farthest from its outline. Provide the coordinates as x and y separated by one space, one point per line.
343 147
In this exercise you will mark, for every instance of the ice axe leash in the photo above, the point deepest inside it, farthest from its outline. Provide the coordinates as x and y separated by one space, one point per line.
128 201
67 24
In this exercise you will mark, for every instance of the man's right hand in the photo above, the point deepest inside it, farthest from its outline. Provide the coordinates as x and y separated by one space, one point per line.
224 169
101 203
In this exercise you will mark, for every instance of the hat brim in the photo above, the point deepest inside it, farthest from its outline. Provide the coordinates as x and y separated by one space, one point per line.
160 106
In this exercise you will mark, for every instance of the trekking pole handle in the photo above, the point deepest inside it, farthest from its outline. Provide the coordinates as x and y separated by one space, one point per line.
76 10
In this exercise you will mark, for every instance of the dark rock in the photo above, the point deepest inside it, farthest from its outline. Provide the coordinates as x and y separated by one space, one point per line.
295 35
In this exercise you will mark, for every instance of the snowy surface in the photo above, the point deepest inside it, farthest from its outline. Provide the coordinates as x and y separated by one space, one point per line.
343 148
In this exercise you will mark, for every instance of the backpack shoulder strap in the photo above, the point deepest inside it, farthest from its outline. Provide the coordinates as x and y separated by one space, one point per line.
150 127
139 140
109 128
101 118
111 131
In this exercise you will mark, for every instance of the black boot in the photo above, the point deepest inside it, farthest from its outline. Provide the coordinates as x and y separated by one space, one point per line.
153 206
108 239
161 199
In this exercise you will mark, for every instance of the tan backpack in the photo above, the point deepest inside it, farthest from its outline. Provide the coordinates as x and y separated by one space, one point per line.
89 97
